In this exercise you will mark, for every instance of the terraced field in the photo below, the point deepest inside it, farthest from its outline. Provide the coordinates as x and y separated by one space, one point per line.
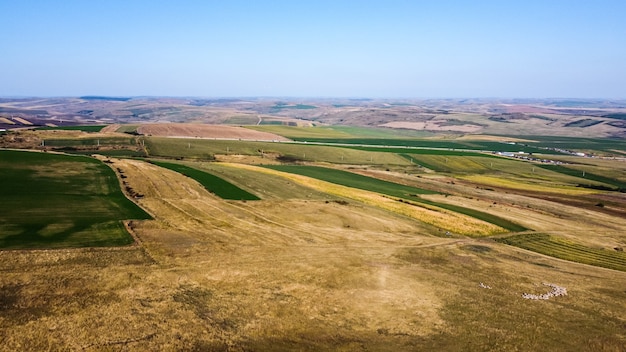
567 250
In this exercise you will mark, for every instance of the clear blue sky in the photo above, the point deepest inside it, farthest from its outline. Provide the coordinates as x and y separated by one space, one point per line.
393 48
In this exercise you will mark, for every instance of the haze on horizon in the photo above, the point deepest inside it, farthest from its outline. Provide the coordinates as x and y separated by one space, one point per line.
388 49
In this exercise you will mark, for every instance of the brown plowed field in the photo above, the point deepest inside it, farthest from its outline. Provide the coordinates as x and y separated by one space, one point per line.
193 130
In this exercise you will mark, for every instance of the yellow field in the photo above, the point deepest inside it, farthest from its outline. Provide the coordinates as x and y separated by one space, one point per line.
527 185
440 218
23 121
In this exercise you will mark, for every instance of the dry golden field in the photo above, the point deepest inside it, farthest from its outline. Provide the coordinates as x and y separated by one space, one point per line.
192 130
314 267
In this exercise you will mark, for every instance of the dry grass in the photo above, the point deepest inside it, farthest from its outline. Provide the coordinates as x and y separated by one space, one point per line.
440 218
528 185
6 121
206 131
297 275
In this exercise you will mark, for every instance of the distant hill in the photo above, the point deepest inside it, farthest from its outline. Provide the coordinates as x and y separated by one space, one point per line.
561 117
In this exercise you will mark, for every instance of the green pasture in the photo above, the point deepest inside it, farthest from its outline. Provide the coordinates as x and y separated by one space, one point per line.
353 180
127 129
282 106
567 250
415 150
212 183
451 145
205 149
59 201
93 128
339 132
84 142
242 120
604 145
410 138
585 175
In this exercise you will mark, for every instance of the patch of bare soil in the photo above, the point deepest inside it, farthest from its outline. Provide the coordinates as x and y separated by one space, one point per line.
110 128
191 130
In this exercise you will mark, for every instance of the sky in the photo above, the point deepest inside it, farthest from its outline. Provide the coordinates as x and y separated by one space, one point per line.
376 49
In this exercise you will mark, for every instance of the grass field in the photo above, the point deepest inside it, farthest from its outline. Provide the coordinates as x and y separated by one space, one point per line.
398 137
59 201
349 179
564 249
478 145
204 149
267 186
127 128
90 128
585 175
89 142
339 132
353 257
242 120
605 145
314 266
212 183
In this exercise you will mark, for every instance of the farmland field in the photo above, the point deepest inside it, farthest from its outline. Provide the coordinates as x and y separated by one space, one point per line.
212 183
207 149
389 188
338 132
92 142
563 249
583 175
86 128
348 249
57 201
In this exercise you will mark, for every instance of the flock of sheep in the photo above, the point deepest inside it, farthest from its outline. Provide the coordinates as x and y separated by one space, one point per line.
556 291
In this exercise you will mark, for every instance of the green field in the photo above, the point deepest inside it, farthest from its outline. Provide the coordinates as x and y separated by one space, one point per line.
397 137
204 149
89 142
605 145
212 183
127 129
451 145
92 128
563 249
339 132
353 180
619 185
60 201
241 120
